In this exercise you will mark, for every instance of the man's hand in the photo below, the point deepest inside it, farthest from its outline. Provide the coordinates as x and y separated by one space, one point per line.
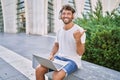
79 46
77 35
51 57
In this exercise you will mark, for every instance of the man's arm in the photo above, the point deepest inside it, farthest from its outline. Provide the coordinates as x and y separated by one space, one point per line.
80 47
54 50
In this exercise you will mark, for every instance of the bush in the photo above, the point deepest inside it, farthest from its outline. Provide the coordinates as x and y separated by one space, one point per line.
103 48
103 37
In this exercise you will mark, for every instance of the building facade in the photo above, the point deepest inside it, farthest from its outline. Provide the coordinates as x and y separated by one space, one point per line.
42 16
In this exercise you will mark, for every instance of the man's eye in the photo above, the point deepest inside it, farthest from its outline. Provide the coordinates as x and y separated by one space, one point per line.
68 13
63 13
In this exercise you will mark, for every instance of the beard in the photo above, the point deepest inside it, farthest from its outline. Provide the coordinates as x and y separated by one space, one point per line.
67 20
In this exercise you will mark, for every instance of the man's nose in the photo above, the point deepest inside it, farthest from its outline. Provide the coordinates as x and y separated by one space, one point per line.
66 15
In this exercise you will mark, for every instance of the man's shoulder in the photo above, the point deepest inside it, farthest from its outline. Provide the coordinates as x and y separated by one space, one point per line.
78 27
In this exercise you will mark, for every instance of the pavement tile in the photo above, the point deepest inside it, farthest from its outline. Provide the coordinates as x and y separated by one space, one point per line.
15 65
7 71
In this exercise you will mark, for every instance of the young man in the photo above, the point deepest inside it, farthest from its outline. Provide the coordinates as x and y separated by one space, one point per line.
69 46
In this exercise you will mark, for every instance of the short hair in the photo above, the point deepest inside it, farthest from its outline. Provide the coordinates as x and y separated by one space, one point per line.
67 7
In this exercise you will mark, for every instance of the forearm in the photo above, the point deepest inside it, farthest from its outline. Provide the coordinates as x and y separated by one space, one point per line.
55 49
80 48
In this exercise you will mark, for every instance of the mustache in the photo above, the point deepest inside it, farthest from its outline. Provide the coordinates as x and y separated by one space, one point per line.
66 18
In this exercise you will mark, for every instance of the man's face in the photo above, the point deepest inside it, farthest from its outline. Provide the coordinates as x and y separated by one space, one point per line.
66 16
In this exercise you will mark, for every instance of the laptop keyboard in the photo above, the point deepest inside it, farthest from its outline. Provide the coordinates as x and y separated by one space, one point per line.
57 65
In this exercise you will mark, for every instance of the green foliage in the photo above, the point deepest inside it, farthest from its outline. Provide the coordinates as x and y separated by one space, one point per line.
103 37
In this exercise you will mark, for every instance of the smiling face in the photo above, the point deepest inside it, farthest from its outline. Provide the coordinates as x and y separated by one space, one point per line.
67 16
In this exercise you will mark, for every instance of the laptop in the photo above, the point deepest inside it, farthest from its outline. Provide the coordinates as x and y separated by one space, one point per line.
54 65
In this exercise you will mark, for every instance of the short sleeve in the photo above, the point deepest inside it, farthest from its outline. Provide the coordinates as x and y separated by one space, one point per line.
83 38
57 36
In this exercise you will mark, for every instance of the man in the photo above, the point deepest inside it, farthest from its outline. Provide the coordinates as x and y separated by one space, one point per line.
69 46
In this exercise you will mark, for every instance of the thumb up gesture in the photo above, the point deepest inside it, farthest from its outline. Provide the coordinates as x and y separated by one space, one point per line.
77 34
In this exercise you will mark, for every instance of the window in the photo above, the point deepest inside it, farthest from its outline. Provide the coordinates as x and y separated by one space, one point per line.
50 16
118 7
1 19
21 20
70 2
87 7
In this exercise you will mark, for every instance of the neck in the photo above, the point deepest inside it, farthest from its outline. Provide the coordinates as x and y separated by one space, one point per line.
68 26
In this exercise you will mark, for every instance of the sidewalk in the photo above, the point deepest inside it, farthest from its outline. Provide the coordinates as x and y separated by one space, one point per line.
16 54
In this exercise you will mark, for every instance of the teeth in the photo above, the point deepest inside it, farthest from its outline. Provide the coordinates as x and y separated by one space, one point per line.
65 19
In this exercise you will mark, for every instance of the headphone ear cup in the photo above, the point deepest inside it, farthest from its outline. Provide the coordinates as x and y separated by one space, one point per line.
60 16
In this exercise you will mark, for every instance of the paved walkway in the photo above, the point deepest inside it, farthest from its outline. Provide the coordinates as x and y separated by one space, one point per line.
16 54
